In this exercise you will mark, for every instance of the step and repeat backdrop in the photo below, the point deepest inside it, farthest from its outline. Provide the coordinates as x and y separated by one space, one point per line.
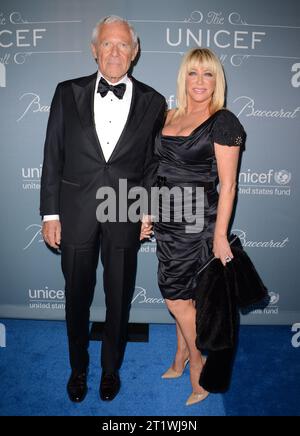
45 42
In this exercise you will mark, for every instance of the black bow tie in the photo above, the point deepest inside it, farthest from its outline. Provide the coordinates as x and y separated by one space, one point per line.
104 87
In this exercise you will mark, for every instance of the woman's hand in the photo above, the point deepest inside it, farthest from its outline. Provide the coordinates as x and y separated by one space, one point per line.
146 228
222 250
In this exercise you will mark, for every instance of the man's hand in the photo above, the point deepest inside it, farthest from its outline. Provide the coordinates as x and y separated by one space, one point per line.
51 232
146 228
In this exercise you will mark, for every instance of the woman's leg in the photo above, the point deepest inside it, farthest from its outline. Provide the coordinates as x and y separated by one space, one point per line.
182 352
185 313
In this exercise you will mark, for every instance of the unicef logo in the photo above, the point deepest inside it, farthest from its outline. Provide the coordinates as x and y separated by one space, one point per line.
282 177
274 298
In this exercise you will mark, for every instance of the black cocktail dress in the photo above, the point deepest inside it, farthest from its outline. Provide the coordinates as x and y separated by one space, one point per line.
188 162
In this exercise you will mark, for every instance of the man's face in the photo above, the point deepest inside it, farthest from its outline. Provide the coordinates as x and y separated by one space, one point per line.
114 50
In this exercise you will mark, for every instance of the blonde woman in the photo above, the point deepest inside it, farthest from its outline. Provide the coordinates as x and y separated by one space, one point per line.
199 146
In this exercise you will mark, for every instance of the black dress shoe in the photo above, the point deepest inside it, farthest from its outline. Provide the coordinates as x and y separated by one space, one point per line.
109 386
77 386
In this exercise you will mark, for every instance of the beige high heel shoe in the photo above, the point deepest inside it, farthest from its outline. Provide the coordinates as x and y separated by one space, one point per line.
171 373
196 397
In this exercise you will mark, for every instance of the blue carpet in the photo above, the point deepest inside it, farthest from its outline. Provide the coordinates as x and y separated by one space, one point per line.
266 375
34 371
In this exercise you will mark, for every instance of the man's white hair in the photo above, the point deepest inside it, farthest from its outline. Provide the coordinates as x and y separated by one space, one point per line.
114 19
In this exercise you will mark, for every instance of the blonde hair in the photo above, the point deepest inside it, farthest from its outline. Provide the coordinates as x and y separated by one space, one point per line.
200 57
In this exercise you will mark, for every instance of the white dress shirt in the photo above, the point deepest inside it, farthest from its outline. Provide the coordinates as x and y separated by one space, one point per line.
110 115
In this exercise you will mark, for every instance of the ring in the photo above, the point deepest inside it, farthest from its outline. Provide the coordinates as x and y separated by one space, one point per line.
228 259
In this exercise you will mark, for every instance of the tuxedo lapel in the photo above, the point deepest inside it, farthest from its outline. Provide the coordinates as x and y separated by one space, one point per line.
139 104
84 97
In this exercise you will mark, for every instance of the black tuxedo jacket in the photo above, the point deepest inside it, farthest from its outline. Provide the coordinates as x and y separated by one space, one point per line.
74 166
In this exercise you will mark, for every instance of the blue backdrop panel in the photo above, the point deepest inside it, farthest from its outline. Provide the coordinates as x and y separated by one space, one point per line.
42 43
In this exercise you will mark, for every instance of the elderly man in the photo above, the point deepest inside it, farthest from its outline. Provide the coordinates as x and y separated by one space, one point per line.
101 129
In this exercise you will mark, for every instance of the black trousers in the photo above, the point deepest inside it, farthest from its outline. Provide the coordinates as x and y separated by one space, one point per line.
79 265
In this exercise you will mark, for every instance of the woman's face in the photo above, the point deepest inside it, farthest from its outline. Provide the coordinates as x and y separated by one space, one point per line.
200 84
